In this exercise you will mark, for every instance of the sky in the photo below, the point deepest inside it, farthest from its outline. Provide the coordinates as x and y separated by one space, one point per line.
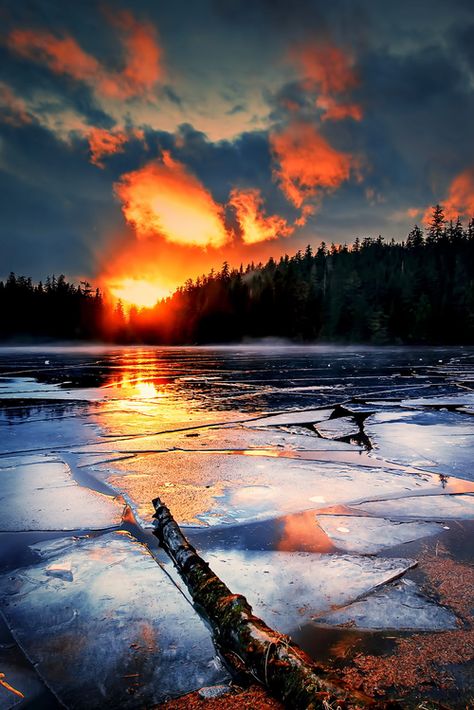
144 143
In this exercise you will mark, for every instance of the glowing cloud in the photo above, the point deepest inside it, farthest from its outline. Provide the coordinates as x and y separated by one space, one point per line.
63 55
12 108
103 143
307 164
460 199
328 66
164 199
329 71
142 68
333 111
255 225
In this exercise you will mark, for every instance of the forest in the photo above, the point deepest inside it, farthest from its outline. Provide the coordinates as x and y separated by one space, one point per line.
417 291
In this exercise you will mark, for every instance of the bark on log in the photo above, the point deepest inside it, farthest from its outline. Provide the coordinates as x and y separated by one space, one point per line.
280 665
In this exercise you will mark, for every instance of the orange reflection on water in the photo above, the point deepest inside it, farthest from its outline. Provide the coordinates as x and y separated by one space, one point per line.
272 453
456 485
138 386
143 394
302 532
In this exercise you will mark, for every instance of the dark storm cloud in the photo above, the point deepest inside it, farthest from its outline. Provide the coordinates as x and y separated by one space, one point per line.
56 207
417 118
59 92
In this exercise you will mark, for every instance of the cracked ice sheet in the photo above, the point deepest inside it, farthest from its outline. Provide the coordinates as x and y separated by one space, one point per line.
336 428
40 435
44 496
29 388
441 441
370 535
287 589
428 507
399 606
23 460
462 398
150 416
215 488
225 437
123 633
286 418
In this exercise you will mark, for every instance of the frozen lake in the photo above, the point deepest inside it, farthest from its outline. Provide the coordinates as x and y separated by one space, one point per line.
311 479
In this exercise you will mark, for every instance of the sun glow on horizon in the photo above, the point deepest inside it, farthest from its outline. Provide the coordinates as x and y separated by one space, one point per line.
138 292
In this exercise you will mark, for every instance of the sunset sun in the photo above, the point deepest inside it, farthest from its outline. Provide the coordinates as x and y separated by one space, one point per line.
138 292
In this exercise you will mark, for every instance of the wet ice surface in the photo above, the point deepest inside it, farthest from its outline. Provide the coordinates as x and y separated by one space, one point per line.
44 496
294 587
370 535
398 606
425 508
298 417
439 441
124 634
297 471
230 488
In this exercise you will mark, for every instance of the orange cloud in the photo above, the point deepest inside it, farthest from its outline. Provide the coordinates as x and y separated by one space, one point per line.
12 107
307 164
327 66
254 224
164 199
460 199
333 111
330 71
143 68
103 143
63 55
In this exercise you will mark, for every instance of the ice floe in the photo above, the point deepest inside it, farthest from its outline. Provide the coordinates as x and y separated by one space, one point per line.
115 632
399 606
303 416
370 535
217 488
44 496
440 440
337 428
432 507
287 589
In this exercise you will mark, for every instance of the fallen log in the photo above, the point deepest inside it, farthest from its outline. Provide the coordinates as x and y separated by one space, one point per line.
272 658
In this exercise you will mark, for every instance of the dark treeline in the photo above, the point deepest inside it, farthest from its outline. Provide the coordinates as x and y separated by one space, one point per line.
53 310
417 291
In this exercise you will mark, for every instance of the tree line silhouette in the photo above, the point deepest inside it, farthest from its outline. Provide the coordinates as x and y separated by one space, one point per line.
419 291
55 310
